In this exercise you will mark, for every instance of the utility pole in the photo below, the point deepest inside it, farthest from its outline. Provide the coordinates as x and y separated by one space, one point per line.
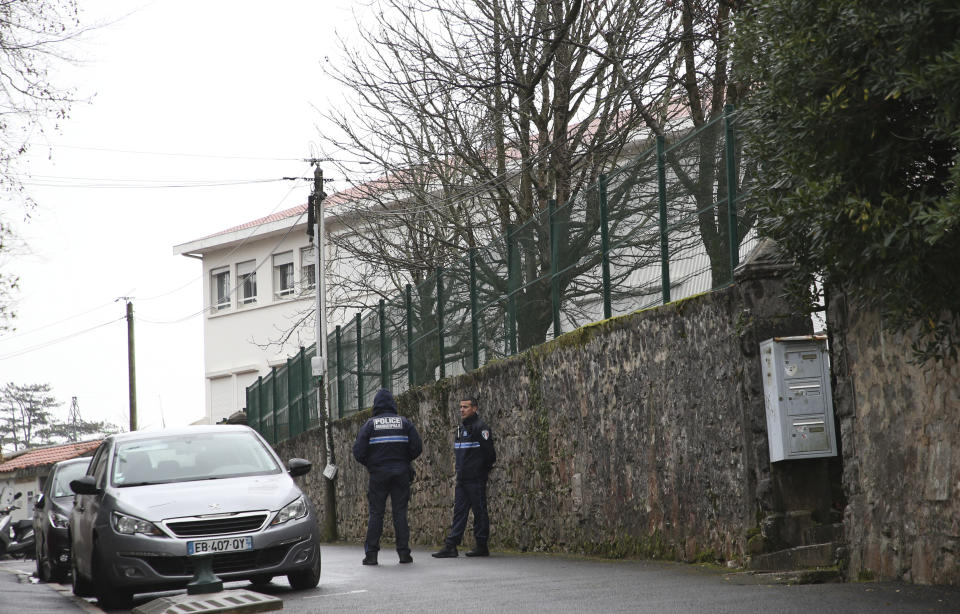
131 365
319 368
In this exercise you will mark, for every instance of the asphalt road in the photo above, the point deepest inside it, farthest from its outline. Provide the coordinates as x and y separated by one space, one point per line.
510 582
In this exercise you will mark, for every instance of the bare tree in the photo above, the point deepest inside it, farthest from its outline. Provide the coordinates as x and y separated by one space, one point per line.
477 113
32 33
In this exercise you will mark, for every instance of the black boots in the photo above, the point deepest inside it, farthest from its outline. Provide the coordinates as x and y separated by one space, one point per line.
480 550
370 558
405 558
450 552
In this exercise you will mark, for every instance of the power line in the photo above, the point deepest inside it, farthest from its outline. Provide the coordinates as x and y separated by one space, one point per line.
240 279
181 154
55 341
51 324
226 258
166 153
119 185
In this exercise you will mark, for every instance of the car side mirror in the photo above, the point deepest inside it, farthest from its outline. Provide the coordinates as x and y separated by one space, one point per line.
87 485
40 501
299 466
17 496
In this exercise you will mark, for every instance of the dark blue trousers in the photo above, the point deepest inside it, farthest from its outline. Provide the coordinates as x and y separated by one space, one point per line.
397 487
470 495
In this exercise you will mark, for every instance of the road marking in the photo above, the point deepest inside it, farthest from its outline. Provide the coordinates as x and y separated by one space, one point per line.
336 594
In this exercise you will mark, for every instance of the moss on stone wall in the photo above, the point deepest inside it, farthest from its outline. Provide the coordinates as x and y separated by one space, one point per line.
622 438
651 546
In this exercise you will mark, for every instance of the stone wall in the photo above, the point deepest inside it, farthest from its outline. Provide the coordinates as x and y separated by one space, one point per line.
900 428
643 434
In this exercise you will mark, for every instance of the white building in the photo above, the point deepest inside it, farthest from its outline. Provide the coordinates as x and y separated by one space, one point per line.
258 297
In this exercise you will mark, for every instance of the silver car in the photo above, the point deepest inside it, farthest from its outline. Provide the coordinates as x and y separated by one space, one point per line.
152 501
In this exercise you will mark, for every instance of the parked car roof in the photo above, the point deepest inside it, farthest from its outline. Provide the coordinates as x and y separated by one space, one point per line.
182 430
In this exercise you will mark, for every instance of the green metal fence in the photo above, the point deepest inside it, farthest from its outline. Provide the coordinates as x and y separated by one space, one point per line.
661 227
284 402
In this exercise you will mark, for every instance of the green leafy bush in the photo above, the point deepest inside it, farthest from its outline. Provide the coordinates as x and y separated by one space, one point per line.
854 115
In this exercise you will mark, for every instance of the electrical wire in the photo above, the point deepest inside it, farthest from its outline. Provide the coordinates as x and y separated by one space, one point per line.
433 206
474 191
120 185
226 258
46 344
241 280
19 334
165 153
172 154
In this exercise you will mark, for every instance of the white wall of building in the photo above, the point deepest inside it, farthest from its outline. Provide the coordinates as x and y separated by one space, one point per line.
245 339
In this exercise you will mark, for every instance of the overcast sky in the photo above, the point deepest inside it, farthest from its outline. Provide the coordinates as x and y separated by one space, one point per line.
230 90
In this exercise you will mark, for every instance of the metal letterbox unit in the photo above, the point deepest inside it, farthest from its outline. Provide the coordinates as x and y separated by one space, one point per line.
798 399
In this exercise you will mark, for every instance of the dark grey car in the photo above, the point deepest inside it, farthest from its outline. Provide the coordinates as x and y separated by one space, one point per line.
152 501
50 518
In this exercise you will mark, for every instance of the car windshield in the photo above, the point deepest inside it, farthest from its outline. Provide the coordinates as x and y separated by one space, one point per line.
184 458
65 475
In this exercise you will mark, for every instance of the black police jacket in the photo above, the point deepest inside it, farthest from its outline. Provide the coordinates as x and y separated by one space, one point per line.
473 448
387 442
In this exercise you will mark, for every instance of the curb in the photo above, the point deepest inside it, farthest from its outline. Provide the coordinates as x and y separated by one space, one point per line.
65 590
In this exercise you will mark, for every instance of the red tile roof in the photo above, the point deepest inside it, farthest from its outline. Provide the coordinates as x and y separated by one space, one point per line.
48 456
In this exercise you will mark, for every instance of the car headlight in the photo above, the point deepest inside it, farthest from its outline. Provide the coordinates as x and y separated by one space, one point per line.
292 511
128 525
58 521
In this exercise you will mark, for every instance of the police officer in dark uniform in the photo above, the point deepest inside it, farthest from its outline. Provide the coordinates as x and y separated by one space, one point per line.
386 445
475 454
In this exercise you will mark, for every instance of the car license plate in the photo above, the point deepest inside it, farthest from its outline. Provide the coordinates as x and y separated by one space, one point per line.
214 546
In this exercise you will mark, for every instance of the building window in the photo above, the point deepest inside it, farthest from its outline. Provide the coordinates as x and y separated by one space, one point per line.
247 275
220 288
308 270
283 274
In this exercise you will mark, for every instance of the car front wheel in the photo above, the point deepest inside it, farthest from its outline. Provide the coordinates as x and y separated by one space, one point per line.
81 586
306 578
108 597
43 565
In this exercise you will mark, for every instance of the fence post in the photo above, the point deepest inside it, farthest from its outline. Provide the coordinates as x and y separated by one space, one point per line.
305 379
273 404
290 383
662 194
443 362
409 301
512 284
260 405
250 409
731 189
554 267
339 376
605 247
384 362
358 319
474 310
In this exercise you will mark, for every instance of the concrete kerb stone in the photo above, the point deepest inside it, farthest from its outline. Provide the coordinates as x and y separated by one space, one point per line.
225 602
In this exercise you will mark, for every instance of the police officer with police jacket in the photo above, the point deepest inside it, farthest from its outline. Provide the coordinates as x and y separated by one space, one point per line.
385 445
475 457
